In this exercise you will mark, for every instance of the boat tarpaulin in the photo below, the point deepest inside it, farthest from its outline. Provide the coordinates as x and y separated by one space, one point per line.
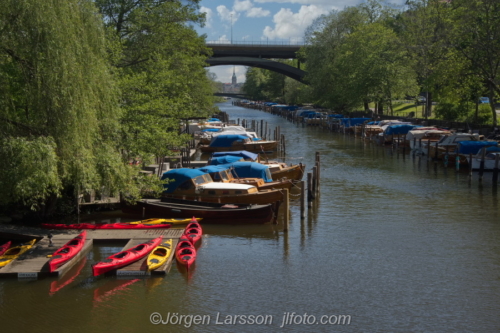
227 140
224 159
241 153
474 147
179 176
402 129
251 170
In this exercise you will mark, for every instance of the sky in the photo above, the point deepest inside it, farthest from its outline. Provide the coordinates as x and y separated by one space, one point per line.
262 21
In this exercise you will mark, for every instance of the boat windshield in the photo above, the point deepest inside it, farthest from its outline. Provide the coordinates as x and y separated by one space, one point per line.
202 179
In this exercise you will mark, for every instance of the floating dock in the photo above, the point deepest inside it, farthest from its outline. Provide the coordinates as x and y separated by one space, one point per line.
33 265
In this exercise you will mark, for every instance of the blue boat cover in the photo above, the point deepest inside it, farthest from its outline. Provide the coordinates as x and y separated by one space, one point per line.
474 147
251 170
226 140
348 122
213 119
214 168
399 129
224 159
211 130
179 176
242 153
336 116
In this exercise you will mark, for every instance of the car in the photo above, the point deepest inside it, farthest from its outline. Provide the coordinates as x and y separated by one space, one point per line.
421 99
484 100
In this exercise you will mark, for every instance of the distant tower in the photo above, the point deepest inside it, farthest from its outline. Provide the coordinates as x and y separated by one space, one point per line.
233 79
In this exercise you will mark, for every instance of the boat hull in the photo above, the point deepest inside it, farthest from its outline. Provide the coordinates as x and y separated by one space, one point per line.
160 254
185 252
126 257
67 251
107 226
211 213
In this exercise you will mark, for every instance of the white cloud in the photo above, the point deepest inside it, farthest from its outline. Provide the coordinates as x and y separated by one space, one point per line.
209 16
289 25
337 4
242 6
227 15
257 12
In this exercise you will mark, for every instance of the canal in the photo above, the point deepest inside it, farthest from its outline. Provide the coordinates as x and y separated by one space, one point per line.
394 243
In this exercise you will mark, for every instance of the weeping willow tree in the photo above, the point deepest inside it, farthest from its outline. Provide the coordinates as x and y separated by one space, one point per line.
159 60
59 114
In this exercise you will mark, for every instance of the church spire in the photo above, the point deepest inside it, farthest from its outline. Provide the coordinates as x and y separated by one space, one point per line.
233 79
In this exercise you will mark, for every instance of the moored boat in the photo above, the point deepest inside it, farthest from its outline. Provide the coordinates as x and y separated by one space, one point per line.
488 159
125 257
5 247
214 213
193 232
15 251
233 142
174 221
159 255
67 251
104 226
195 185
185 252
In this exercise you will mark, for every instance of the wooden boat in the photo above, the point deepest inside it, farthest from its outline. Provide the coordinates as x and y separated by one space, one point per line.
447 143
57 285
159 255
5 247
116 226
195 185
215 213
174 221
125 257
250 173
420 135
488 158
206 136
193 232
185 253
67 251
279 170
14 252
233 142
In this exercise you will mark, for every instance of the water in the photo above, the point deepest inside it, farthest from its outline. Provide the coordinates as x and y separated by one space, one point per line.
397 243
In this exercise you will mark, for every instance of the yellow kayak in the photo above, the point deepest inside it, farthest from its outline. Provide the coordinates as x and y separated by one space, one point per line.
160 254
15 251
165 221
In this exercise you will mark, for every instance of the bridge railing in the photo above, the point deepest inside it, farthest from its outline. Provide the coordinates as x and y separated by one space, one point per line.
270 43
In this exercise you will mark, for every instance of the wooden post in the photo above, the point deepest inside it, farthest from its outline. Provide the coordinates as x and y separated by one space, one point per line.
309 190
302 199
318 172
265 132
495 170
429 149
143 212
481 164
470 167
314 179
436 152
287 209
261 128
283 143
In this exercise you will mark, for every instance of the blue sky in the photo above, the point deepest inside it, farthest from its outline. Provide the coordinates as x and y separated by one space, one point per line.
262 21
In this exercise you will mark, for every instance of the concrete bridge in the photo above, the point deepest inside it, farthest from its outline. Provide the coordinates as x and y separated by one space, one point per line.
257 55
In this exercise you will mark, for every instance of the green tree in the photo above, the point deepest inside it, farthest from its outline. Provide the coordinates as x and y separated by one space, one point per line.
58 102
160 64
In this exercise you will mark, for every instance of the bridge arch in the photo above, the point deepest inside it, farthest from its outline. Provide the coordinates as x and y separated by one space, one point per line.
290 71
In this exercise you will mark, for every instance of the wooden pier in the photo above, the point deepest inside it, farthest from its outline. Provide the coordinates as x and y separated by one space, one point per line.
33 265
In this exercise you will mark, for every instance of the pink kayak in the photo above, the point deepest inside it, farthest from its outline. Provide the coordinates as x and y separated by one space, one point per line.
125 257
105 226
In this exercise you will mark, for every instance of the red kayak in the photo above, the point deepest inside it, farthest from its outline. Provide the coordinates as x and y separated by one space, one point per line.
67 251
193 231
185 252
126 257
5 247
105 226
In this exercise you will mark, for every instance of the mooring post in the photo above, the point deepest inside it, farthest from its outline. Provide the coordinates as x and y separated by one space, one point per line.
429 149
302 199
314 181
287 210
495 170
481 164
309 190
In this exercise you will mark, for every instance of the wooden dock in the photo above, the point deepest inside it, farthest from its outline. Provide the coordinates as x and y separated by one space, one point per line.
33 265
